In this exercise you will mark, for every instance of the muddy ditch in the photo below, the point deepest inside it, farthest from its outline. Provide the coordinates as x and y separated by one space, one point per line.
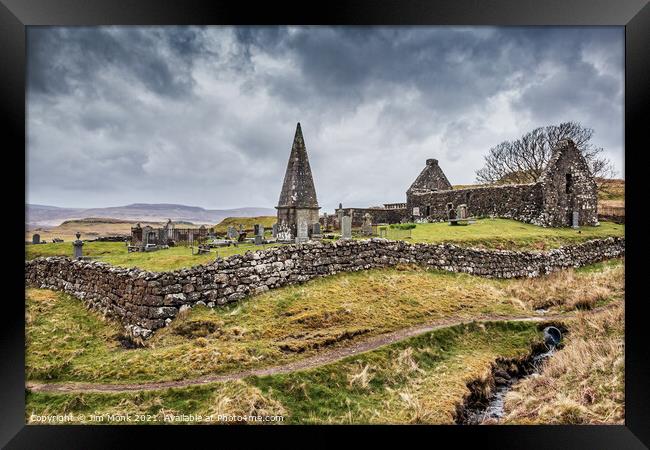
486 401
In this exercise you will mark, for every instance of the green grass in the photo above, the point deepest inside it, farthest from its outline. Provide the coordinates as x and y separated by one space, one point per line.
65 342
613 189
247 222
162 260
418 380
510 234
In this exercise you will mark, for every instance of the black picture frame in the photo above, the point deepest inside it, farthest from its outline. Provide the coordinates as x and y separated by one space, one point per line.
634 15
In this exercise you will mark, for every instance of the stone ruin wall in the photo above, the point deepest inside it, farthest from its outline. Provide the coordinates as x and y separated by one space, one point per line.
568 187
145 301
378 215
522 202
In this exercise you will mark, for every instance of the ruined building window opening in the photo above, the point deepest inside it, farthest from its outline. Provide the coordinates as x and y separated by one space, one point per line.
569 183
428 211
468 196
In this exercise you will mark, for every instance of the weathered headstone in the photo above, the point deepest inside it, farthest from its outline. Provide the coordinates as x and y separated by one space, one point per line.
315 229
366 227
36 238
284 233
303 232
575 222
259 240
275 230
257 229
339 215
77 245
232 233
346 227
461 211
451 212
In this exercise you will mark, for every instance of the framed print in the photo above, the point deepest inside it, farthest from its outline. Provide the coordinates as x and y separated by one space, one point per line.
360 216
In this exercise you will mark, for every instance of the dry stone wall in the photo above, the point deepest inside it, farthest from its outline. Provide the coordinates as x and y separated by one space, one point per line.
145 301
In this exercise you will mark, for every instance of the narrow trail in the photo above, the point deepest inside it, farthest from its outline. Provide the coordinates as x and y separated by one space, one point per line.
325 357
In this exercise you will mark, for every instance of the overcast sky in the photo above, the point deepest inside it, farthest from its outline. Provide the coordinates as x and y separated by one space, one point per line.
206 116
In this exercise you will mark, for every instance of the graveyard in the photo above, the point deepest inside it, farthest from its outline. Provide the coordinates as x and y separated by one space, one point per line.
486 233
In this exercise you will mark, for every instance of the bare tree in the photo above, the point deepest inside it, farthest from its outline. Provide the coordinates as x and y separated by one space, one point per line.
524 160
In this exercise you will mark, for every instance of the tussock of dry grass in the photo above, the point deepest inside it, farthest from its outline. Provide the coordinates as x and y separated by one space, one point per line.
242 399
361 377
581 384
570 289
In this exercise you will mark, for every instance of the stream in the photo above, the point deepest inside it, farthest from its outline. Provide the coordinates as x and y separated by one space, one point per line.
506 373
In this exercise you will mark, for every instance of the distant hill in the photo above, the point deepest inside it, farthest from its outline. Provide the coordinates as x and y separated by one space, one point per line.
247 222
48 216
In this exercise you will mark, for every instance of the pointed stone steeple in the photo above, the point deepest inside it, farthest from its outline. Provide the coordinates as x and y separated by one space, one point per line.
298 188
298 206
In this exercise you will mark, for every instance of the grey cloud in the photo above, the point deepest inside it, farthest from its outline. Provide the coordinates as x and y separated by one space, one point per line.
206 115
61 60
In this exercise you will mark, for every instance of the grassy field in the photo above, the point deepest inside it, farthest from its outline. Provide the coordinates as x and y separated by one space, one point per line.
510 234
247 222
162 260
611 189
486 233
65 342
418 380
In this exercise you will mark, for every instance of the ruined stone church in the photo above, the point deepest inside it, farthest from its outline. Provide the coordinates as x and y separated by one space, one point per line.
565 195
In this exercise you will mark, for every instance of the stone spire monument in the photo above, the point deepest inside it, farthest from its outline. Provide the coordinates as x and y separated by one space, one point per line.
298 206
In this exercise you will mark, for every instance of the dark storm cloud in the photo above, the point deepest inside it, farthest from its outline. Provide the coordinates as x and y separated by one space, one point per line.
63 59
206 115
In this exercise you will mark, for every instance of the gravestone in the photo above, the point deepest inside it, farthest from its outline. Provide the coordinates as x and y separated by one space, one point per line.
303 232
451 212
259 240
232 233
275 230
416 210
77 245
36 238
256 228
284 233
461 211
346 228
315 229
339 215
575 219
366 227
